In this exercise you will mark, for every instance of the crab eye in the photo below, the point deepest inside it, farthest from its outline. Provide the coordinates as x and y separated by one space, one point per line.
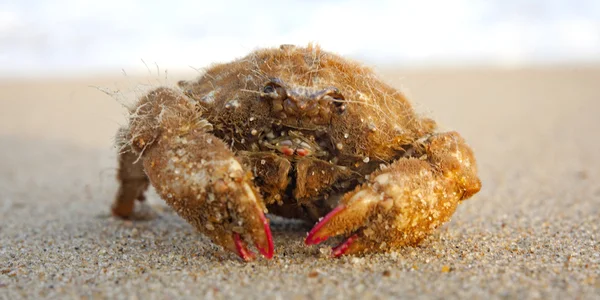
341 107
338 100
269 88
274 89
338 97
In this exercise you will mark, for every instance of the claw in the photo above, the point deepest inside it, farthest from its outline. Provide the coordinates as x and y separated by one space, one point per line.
264 244
256 229
266 249
215 193
346 247
256 223
345 218
316 235
245 223
241 248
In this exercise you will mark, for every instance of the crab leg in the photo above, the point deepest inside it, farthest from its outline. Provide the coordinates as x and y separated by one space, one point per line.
133 182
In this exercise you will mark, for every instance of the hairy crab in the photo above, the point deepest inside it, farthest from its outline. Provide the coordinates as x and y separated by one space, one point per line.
301 133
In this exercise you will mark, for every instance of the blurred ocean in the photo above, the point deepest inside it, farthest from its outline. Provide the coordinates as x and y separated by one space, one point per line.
47 37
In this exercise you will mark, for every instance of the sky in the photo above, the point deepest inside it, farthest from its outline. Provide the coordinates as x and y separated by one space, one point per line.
54 36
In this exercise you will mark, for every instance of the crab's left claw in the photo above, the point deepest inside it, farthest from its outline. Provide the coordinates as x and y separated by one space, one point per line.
392 210
205 184
403 202
347 219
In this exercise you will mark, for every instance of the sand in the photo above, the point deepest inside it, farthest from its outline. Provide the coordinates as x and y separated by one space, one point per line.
532 231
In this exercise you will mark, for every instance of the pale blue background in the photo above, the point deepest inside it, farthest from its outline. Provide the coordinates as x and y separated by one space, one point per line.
109 35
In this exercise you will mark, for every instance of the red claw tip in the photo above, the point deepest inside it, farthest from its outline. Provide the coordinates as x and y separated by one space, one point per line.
268 252
313 238
241 248
341 249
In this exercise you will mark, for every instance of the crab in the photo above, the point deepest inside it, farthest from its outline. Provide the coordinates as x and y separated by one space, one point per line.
300 133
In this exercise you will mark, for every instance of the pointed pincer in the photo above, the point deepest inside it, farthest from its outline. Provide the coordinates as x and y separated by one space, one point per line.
254 222
346 218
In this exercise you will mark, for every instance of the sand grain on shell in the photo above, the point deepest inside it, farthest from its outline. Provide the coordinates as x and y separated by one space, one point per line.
532 232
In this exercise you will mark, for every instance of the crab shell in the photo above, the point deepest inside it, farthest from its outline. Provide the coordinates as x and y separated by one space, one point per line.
310 124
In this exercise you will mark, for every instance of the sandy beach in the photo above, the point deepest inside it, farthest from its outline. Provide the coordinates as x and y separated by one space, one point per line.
532 232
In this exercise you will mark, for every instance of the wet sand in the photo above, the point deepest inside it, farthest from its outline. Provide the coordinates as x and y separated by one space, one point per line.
532 231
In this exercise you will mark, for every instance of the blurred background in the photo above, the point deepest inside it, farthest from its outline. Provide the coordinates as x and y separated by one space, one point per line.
38 37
